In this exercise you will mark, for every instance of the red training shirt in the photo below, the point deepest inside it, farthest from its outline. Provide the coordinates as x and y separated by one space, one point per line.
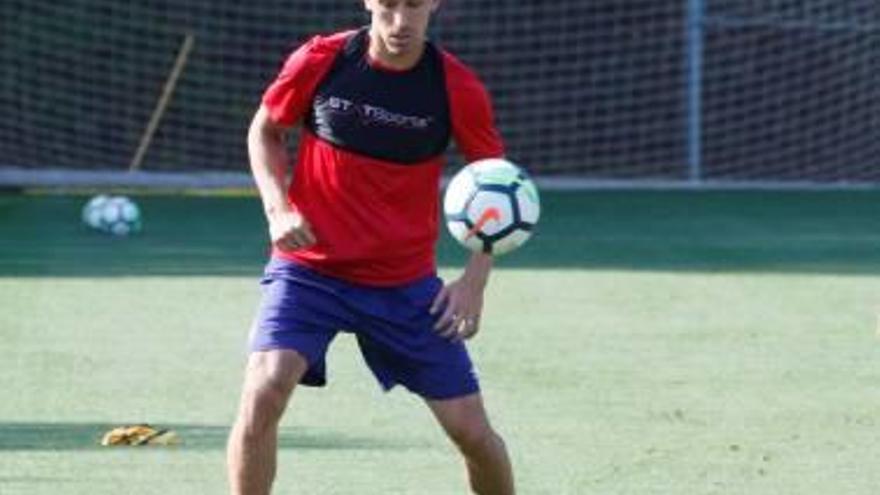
371 153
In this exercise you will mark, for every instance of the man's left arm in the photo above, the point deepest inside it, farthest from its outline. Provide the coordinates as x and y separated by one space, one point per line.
460 303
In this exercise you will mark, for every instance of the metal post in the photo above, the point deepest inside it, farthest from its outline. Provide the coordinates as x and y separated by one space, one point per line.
695 13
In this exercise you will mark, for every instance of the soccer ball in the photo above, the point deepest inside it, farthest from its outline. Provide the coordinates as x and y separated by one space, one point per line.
491 206
117 215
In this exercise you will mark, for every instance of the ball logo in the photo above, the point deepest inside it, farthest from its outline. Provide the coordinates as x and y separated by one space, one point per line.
488 214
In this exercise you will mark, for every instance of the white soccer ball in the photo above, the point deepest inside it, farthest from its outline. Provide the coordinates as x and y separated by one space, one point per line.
491 206
117 215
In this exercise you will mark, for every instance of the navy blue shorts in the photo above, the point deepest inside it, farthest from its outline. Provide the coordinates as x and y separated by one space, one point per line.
304 310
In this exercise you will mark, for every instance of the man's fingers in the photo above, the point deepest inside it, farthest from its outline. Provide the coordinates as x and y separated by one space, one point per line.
286 243
446 319
299 238
459 328
450 331
291 231
469 328
308 237
439 300
304 233
295 239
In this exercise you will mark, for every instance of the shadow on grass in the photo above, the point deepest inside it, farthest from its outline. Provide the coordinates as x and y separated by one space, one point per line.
734 231
87 436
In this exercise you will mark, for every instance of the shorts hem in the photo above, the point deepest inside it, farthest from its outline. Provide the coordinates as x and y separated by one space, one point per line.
277 346
444 395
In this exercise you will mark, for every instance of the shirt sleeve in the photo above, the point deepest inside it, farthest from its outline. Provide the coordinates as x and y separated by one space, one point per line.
289 96
473 120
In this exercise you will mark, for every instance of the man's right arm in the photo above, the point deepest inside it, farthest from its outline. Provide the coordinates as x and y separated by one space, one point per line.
267 151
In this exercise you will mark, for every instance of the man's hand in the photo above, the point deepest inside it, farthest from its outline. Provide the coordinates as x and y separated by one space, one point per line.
289 230
460 303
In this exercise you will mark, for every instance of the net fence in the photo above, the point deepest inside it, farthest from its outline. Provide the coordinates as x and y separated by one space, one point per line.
791 90
634 90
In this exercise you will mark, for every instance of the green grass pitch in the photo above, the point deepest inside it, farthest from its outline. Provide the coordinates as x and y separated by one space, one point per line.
642 343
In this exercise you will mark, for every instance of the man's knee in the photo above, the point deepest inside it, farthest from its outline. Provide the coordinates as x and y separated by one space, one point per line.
270 379
473 435
263 404
466 423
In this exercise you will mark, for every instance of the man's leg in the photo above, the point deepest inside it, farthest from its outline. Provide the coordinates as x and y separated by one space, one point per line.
253 442
464 420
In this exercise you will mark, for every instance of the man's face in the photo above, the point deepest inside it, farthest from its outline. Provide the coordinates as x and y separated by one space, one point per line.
400 24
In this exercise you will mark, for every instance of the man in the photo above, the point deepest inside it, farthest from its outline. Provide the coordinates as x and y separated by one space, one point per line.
353 234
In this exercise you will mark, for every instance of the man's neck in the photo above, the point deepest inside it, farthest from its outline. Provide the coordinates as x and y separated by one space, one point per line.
405 61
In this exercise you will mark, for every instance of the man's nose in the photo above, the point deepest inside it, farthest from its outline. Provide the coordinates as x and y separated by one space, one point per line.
398 20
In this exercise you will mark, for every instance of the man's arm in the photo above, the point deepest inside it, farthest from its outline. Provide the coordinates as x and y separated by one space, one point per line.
267 150
460 303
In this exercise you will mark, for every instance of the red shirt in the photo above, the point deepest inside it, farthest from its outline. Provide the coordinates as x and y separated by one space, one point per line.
375 219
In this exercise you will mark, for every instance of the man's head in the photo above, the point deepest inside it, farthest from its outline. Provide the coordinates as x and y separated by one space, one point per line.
399 27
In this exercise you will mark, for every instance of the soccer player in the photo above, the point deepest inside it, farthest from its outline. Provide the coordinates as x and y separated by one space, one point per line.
353 234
